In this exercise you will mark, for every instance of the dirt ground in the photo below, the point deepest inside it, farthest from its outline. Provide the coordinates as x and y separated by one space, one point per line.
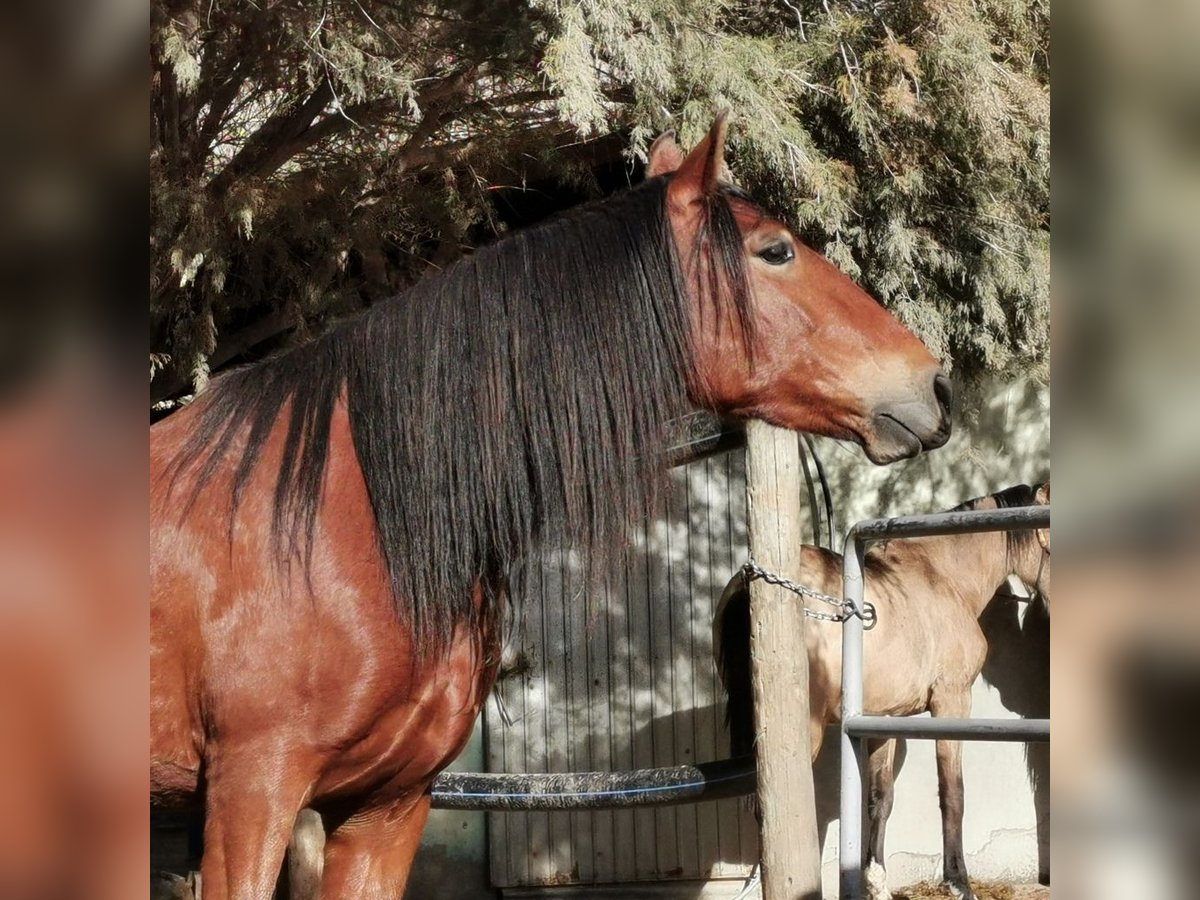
984 890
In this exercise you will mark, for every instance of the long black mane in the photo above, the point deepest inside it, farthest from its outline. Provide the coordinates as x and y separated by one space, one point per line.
525 391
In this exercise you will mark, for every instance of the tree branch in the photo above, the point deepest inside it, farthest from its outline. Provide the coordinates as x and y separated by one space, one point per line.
261 153
287 135
218 105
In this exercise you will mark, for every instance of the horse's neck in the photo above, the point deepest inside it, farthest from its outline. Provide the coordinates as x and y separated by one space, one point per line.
969 566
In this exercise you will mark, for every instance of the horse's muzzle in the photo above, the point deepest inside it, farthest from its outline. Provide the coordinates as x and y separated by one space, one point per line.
900 429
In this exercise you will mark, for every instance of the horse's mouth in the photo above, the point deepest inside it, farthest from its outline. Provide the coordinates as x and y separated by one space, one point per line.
890 440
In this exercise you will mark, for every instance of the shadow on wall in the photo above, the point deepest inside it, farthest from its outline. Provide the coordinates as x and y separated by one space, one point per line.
1018 667
621 677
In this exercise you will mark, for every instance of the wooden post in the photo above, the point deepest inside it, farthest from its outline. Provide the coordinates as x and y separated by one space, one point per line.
791 854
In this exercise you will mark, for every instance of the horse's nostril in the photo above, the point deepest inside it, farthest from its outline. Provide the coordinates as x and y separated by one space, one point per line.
944 393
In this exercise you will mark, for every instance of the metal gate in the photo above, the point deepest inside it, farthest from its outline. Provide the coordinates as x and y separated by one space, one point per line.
857 728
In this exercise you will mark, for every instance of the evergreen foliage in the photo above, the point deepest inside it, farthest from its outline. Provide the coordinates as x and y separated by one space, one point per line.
309 159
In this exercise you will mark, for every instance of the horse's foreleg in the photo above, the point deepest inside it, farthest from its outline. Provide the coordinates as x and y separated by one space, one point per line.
251 802
368 857
952 703
881 773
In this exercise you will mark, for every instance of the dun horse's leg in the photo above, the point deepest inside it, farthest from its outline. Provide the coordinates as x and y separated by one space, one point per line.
952 703
881 769
250 807
368 857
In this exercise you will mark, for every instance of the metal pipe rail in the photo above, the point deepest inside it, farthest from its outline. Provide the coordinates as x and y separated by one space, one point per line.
856 728
1018 730
718 780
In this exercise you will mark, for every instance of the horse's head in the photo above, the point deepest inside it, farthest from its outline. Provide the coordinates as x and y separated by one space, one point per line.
808 349
1028 553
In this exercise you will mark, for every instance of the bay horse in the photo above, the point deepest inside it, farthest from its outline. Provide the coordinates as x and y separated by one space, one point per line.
923 654
332 527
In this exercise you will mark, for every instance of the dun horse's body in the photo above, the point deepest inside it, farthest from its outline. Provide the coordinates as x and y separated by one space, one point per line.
923 655
332 528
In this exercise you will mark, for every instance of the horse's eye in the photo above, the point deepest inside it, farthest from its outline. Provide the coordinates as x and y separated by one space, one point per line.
777 254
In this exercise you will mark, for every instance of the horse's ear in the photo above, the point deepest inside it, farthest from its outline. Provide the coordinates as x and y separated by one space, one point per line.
664 156
1042 498
700 174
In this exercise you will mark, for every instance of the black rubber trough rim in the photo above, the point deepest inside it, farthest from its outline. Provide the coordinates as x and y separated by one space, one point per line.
668 786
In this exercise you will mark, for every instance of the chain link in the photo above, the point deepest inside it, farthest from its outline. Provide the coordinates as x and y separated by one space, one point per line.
752 571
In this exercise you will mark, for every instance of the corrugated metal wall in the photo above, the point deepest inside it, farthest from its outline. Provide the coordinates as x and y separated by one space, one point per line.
622 677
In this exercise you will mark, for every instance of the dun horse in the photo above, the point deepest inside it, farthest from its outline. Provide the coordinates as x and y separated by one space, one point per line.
923 654
332 527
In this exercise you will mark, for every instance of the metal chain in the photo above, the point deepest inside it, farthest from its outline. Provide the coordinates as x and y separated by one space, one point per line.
752 570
